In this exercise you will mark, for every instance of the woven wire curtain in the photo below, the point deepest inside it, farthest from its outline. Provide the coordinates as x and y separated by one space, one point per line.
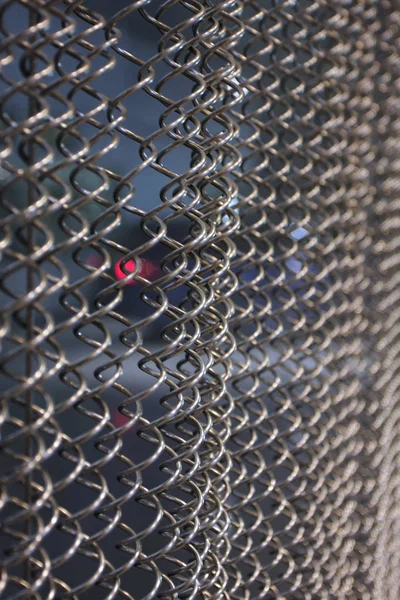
200 299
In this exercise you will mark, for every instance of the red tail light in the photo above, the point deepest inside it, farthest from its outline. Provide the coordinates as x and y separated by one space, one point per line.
119 420
148 270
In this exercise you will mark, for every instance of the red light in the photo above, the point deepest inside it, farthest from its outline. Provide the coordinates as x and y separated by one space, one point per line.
129 268
148 270
119 420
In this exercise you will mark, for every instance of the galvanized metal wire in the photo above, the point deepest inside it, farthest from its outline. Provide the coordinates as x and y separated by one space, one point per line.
199 294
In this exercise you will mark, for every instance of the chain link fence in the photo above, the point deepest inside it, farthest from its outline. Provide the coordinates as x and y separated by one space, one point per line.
200 299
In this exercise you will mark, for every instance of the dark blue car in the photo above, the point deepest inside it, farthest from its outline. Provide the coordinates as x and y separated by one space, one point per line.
285 294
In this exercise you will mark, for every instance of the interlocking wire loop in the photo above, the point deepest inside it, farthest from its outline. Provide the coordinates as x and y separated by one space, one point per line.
199 293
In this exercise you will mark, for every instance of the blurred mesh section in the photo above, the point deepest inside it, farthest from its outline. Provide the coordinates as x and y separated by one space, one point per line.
200 299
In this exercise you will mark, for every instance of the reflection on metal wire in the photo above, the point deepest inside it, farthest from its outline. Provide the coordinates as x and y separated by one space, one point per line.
227 427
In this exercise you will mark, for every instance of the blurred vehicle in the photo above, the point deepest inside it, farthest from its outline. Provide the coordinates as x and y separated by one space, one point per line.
288 287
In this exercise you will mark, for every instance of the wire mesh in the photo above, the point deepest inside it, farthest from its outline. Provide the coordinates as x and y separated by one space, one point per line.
199 299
